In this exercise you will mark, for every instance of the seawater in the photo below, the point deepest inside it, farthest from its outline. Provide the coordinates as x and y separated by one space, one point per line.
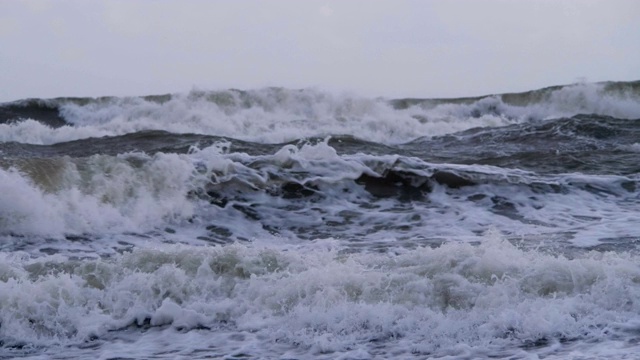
290 224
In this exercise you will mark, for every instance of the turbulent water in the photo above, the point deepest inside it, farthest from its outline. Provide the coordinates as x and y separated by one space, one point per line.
294 224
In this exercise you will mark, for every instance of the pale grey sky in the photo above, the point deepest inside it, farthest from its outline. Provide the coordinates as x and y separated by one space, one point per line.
374 48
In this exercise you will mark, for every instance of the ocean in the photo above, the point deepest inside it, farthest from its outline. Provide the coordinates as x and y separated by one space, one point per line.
296 224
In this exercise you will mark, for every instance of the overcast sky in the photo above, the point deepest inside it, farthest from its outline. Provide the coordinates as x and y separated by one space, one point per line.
373 48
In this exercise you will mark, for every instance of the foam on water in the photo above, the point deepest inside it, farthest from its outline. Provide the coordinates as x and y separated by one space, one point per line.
279 115
34 132
313 299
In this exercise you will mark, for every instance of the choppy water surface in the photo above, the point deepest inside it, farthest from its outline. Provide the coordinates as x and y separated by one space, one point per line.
282 223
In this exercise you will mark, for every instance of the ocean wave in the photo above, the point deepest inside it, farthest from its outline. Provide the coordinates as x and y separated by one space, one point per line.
304 192
299 223
276 115
100 194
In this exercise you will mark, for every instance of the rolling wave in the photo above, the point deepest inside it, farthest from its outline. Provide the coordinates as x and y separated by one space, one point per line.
299 222
276 115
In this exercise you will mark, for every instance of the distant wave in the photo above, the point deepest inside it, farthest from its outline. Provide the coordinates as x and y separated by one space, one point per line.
620 89
277 115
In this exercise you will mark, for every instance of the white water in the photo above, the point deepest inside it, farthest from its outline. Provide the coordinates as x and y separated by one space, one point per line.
276 116
311 299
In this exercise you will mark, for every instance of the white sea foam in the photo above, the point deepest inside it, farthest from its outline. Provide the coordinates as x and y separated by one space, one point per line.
314 300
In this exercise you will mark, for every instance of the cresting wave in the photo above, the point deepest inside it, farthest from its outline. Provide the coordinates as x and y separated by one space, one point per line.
276 115
94 195
308 191
315 299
